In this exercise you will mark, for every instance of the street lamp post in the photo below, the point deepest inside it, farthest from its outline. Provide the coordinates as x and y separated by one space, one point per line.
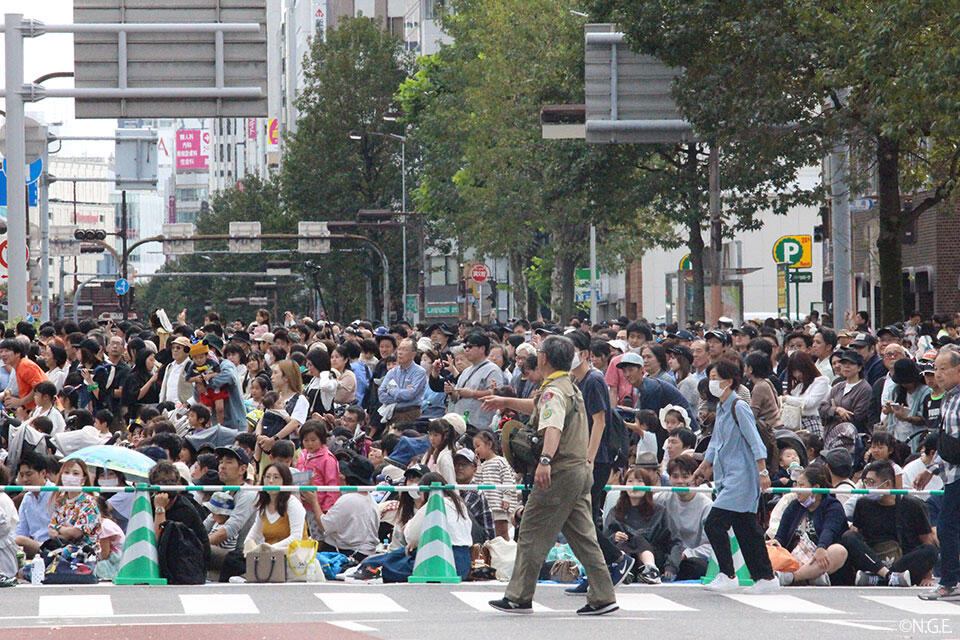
358 135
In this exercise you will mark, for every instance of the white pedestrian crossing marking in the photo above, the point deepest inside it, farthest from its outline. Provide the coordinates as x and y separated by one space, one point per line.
480 600
350 625
355 602
913 604
210 604
76 606
856 625
776 603
648 602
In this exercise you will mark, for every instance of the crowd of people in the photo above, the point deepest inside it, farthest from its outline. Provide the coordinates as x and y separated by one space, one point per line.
299 401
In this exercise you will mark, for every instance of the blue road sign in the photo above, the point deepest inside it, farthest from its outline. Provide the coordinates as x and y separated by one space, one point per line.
33 177
122 287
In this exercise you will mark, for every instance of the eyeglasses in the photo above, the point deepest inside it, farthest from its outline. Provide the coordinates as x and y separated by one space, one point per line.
892 356
873 484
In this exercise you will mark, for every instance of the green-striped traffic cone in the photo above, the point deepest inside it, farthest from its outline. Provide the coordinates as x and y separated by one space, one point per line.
139 564
739 566
434 562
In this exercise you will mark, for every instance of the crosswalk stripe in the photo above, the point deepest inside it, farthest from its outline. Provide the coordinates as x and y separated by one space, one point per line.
856 625
648 602
199 604
350 625
913 604
776 603
75 606
355 602
480 600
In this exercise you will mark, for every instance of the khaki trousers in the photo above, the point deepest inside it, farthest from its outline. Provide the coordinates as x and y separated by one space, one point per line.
563 508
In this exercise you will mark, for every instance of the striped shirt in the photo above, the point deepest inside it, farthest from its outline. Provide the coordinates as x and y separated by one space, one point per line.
950 423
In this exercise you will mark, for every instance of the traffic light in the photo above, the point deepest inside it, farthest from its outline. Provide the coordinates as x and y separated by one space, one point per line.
89 235
821 232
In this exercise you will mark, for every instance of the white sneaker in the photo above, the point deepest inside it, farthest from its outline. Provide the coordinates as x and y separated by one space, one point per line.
723 583
899 579
764 586
784 577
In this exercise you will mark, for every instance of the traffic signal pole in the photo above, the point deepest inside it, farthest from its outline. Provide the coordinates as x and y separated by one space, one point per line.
16 168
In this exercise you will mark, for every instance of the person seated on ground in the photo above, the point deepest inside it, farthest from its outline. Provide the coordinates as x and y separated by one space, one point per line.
398 565
317 459
638 526
280 517
34 511
220 507
839 465
443 444
176 506
351 525
399 512
233 472
46 396
494 469
890 541
883 446
681 440
686 513
110 543
465 466
76 515
810 529
9 519
121 502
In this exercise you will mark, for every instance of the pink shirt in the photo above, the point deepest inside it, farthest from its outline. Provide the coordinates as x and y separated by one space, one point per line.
112 532
615 379
326 471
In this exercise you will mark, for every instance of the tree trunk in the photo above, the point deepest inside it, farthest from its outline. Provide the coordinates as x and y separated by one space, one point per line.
518 289
561 284
891 228
696 246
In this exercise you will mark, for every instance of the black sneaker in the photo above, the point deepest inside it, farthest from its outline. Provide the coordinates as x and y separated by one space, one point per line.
591 610
620 569
7 581
579 590
509 606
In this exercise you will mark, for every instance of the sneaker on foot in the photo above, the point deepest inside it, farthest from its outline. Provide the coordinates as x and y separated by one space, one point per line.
899 578
764 586
597 610
7 582
942 592
722 582
784 577
621 568
365 575
867 579
822 580
649 574
579 590
509 606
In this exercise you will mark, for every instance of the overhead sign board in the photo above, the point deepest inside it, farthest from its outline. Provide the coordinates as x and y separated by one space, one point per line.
245 237
193 149
796 251
171 59
437 309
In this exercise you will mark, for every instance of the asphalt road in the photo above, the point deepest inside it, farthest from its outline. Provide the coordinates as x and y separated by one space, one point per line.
440 612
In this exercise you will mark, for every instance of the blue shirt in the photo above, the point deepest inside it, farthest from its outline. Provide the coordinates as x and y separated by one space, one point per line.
735 447
363 375
403 386
35 515
656 394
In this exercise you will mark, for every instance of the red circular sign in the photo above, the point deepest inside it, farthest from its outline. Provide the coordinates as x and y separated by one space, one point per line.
479 272
3 254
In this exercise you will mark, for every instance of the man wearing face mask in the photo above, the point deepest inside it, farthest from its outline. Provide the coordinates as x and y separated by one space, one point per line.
887 527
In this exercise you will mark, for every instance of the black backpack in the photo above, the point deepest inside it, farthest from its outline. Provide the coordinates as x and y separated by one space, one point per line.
180 554
619 442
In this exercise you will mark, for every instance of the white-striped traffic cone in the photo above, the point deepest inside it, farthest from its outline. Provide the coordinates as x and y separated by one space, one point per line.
434 562
139 564
739 565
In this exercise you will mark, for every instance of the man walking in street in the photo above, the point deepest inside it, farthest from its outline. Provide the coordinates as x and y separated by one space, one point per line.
560 499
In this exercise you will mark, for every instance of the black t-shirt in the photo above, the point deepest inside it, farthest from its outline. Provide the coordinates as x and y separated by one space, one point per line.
931 411
904 522
596 398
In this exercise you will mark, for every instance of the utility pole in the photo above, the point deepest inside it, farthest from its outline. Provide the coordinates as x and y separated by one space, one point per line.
16 168
44 187
125 300
594 290
840 235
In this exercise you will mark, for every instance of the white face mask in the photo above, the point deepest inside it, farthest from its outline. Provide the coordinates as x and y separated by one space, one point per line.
790 352
268 358
715 389
576 360
108 482
71 481
415 494
806 502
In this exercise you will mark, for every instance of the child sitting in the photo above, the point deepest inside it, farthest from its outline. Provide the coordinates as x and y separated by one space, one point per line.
789 466
111 542
220 506
672 417
199 372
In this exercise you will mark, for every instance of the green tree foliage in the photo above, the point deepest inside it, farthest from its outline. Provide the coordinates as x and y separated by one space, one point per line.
487 178
788 80
350 82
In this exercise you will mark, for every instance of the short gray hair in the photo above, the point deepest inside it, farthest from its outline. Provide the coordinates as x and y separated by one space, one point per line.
953 351
558 351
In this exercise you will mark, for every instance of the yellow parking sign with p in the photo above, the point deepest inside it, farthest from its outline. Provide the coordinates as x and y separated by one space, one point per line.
796 251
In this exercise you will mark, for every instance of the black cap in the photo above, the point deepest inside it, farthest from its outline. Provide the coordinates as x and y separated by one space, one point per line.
747 329
682 351
714 333
840 461
358 470
237 452
682 334
864 339
906 371
849 355
416 471
893 330
241 336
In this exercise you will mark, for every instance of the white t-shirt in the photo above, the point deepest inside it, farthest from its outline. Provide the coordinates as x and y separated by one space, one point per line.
910 472
59 424
459 528
352 523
